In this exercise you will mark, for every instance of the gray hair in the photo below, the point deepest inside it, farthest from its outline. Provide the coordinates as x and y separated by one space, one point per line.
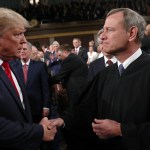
10 19
55 43
131 18
98 34
29 45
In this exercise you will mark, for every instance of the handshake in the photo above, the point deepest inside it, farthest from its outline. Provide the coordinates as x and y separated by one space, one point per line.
50 127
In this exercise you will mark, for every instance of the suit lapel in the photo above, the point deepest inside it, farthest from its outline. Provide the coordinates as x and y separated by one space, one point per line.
18 65
80 51
18 70
10 87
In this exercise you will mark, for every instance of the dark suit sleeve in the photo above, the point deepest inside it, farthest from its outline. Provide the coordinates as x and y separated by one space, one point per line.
66 68
84 54
81 118
16 134
45 86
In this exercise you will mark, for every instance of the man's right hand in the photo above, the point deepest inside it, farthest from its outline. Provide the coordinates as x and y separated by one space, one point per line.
56 122
49 130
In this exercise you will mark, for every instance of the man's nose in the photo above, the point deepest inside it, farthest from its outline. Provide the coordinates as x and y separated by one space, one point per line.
23 39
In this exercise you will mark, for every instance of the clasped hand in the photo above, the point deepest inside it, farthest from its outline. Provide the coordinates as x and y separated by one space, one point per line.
49 130
106 128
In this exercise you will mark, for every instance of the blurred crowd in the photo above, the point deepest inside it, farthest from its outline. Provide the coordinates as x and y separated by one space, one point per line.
80 10
49 54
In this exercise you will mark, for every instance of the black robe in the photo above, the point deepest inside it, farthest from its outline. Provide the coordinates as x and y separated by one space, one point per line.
125 99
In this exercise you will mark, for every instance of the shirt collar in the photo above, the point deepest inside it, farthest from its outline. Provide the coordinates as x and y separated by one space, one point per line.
27 63
1 61
113 59
133 57
78 48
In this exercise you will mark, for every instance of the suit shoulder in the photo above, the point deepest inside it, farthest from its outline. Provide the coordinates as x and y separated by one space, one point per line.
83 48
74 59
97 61
38 62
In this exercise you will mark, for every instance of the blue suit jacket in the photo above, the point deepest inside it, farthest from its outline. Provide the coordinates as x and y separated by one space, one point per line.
37 86
95 67
15 131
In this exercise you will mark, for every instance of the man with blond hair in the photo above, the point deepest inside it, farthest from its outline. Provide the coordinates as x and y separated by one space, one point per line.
16 128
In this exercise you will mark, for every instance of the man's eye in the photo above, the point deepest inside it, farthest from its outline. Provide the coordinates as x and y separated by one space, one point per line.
110 29
19 34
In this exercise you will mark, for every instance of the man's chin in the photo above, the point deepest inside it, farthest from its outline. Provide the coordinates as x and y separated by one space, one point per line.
13 57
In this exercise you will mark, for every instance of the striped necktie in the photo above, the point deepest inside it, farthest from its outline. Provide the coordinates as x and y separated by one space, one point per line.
121 69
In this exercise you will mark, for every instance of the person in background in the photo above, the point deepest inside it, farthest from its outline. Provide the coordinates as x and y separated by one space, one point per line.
99 64
146 40
16 128
92 55
73 75
54 63
99 46
34 53
40 55
92 44
79 50
47 54
35 77
99 50
44 48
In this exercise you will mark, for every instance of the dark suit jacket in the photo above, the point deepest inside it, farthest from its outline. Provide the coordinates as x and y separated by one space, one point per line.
15 131
73 73
37 86
119 105
83 53
95 67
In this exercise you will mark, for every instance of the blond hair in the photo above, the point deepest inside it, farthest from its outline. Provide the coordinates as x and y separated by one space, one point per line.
10 19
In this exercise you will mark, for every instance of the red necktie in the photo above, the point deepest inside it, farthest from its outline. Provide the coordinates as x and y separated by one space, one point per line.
109 62
25 70
8 73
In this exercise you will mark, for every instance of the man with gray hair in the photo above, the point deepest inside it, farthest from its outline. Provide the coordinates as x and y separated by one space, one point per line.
116 105
16 128
146 40
99 64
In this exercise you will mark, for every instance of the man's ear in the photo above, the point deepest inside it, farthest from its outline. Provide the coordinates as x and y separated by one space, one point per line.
133 31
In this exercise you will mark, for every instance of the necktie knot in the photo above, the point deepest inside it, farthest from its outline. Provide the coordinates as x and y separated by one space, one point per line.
25 65
6 66
121 69
109 62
